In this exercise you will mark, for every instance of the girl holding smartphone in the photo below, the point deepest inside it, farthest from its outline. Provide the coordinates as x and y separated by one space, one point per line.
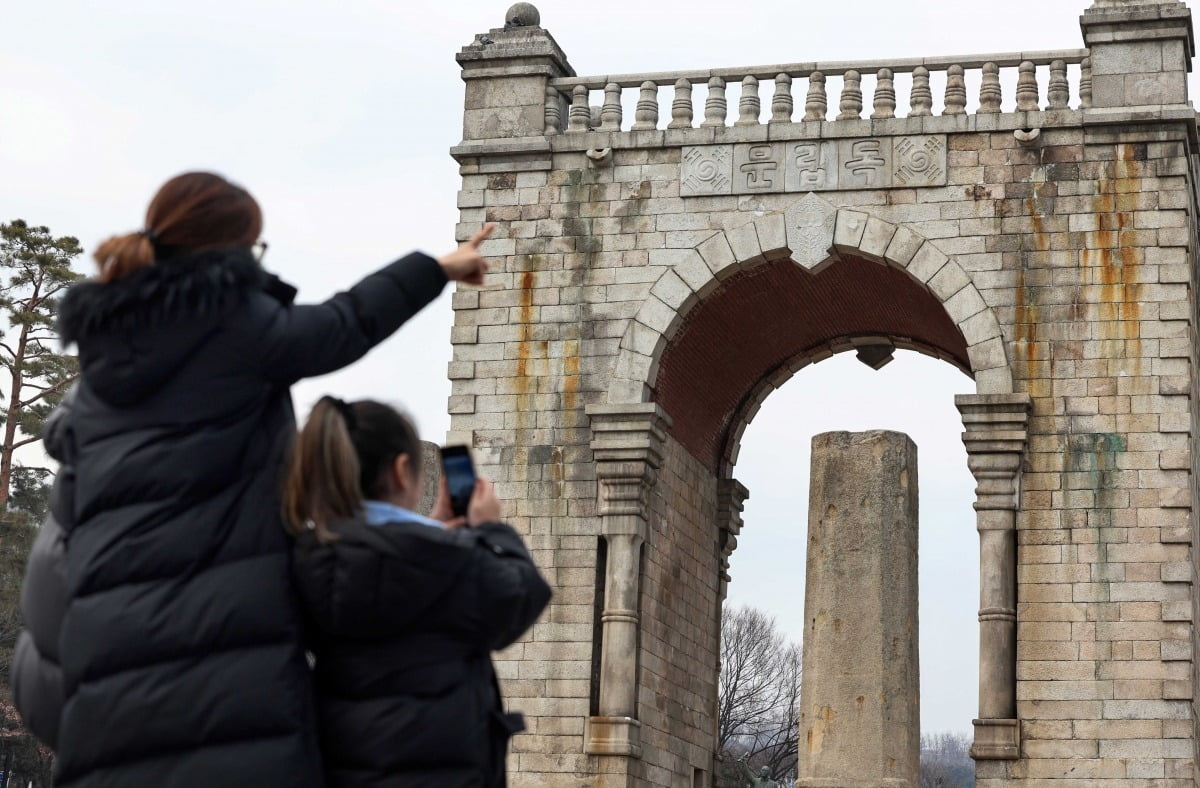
405 610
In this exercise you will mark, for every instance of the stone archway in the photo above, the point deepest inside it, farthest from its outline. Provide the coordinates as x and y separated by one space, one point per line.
940 312
699 270
1067 211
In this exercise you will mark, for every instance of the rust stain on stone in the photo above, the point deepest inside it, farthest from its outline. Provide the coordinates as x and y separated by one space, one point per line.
1115 255
525 320
822 722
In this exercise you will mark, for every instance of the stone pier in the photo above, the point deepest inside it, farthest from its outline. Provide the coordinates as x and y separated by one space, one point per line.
860 694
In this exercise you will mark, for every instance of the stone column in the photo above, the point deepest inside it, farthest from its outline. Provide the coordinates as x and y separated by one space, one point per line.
860 707
627 444
1140 52
995 438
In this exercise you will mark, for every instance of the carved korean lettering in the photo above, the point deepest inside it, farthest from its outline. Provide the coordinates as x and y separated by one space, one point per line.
758 168
812 166
865 164
707 170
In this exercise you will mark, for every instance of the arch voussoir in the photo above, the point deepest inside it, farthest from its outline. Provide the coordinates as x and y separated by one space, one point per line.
695 272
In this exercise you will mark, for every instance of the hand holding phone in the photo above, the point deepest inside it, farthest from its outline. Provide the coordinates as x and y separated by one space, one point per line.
459 473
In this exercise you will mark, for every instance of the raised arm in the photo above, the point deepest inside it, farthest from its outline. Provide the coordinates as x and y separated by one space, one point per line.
303 341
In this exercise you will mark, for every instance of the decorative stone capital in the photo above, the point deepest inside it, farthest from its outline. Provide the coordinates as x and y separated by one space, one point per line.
995 438
627 443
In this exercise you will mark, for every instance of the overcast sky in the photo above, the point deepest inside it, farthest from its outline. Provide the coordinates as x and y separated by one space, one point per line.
338 116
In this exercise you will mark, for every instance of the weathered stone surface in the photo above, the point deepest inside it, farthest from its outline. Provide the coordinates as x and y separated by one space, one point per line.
1055 268
860 692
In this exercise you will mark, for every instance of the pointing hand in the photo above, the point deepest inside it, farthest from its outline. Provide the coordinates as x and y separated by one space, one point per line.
465 264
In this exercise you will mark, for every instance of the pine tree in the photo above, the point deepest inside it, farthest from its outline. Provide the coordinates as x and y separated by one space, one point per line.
35 268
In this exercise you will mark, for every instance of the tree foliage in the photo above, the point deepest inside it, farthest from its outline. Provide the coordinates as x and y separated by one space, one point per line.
758 714
36 268
946 761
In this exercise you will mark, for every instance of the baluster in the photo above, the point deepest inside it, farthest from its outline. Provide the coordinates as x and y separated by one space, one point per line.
781 102
1085 83
646 116
956 91
1027 87
610 113
581 114
750 106
681 107
989 90
1059 91
715 106
816 105
851 101
922 97
885 94
553 111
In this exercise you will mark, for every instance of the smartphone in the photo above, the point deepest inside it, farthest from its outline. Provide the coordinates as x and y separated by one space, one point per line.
459 473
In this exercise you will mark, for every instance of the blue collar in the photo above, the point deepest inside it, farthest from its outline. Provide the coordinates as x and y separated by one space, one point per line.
382 512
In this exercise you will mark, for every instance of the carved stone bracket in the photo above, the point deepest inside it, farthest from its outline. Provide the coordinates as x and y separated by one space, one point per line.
995 438
731 498
627 443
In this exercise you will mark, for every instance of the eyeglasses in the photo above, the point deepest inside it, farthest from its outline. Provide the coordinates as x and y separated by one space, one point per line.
259 250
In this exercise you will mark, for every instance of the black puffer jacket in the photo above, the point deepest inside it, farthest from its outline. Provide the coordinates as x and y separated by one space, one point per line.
182 654
406 616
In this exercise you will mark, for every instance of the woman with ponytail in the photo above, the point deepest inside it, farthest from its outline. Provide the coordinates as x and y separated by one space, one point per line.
181 645
406 610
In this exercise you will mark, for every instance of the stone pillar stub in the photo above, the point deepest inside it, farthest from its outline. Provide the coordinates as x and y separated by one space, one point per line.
860 692
507 71
627 444
1140 52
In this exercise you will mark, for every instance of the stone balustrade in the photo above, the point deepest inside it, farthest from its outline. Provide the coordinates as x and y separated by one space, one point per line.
798 93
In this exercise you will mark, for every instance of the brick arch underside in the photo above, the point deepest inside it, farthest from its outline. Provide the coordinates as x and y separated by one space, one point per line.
761 319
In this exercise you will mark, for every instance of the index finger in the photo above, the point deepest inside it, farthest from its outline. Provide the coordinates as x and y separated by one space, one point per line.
482 235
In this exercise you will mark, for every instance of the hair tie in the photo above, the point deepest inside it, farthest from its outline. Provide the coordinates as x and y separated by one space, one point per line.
149 235
343 408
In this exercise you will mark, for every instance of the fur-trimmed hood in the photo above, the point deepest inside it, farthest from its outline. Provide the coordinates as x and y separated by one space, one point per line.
135 332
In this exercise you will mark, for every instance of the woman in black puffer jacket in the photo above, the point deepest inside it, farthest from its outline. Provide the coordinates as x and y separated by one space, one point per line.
181 643
406 610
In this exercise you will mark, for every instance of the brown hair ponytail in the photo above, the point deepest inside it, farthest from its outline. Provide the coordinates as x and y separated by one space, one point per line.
123 254
191 212
343 455
322 480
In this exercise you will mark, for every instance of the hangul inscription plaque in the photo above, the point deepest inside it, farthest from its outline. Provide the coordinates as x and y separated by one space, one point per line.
912 161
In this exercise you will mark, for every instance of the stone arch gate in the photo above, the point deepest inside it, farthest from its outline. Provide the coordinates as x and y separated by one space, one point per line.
655 278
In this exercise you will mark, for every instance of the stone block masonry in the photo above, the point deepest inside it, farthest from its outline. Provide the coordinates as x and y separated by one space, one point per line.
655 277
